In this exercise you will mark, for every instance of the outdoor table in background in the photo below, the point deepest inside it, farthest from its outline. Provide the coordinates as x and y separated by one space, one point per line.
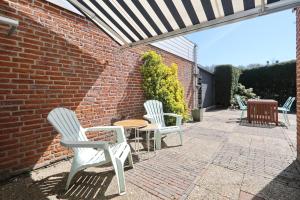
132 124
262 111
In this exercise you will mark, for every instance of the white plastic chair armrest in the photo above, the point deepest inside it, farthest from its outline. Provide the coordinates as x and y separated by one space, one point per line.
85 144
118 129
178 118
172 114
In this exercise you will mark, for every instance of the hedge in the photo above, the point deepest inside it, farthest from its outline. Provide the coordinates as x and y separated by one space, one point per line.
276 81
226 82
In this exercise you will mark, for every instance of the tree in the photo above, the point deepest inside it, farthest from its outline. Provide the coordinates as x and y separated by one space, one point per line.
160 82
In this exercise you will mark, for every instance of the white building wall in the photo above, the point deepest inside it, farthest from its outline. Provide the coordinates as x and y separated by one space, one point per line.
179 46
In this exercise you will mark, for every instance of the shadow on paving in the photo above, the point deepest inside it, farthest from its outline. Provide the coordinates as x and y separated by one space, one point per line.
245 122
285 186
85 185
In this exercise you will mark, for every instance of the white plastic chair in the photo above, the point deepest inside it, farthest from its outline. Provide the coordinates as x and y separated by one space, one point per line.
91 153
286 108
155 115
242 106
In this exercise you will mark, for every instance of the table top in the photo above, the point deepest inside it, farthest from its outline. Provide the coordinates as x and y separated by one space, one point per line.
149 127
261 101
132 123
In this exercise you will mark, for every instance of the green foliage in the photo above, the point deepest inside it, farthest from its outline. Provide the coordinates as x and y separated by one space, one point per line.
244 93
160 82
226 84
277 81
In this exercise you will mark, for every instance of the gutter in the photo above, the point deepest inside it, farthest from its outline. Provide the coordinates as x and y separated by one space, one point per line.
13 24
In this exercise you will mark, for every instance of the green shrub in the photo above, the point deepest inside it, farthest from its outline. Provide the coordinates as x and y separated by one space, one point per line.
244 93
226 83
276 81
160 82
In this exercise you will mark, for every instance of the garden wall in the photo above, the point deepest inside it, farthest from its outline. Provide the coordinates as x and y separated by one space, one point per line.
57 58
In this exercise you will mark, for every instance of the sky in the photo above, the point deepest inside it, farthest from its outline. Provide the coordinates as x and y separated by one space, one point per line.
255 41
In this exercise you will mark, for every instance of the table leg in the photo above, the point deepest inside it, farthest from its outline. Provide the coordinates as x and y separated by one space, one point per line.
248 112
148 140
135 140
154 142
138 141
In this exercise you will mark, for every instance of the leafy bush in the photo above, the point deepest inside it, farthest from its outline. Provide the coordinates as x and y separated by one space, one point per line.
160 82
226 84
244 93
277 81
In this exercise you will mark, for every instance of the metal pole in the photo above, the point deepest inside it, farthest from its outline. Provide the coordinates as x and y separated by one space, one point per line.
263 6
195 77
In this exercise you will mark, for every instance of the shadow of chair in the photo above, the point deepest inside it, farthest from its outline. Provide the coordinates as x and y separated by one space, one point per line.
86 185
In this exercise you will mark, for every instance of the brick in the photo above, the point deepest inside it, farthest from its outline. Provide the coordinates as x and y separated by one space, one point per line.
8 64
42 69
23 60
298 79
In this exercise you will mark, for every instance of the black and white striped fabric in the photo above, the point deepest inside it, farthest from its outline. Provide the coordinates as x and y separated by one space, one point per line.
130 21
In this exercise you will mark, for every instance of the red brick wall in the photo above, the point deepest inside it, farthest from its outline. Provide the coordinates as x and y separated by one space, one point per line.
298 81
57 58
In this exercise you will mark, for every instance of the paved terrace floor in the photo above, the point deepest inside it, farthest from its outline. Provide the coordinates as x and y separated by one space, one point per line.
220 159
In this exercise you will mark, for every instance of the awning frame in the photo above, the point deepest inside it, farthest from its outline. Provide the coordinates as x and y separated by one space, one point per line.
111 23
240 16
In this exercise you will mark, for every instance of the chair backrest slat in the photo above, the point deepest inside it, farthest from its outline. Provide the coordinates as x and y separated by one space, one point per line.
286 103
154 109
290 103
240 101
67 124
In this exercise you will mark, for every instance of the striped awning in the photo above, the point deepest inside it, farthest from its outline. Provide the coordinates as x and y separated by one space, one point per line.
131 22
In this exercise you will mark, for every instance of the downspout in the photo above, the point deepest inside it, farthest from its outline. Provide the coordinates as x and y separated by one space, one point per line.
195 78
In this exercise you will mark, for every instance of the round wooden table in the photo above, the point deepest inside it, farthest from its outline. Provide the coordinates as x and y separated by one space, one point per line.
133 124
148 129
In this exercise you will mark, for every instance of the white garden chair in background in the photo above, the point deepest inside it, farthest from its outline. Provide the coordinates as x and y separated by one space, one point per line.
155 115
287 108
242 106
91 153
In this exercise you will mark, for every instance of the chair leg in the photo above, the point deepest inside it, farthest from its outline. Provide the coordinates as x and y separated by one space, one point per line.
284 117
130 160
158 141
287 119
121 175
242 115
73 171
116 164
180 135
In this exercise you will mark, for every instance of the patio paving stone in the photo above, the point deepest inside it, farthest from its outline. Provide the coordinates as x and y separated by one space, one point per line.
222 181
220 159
202 193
